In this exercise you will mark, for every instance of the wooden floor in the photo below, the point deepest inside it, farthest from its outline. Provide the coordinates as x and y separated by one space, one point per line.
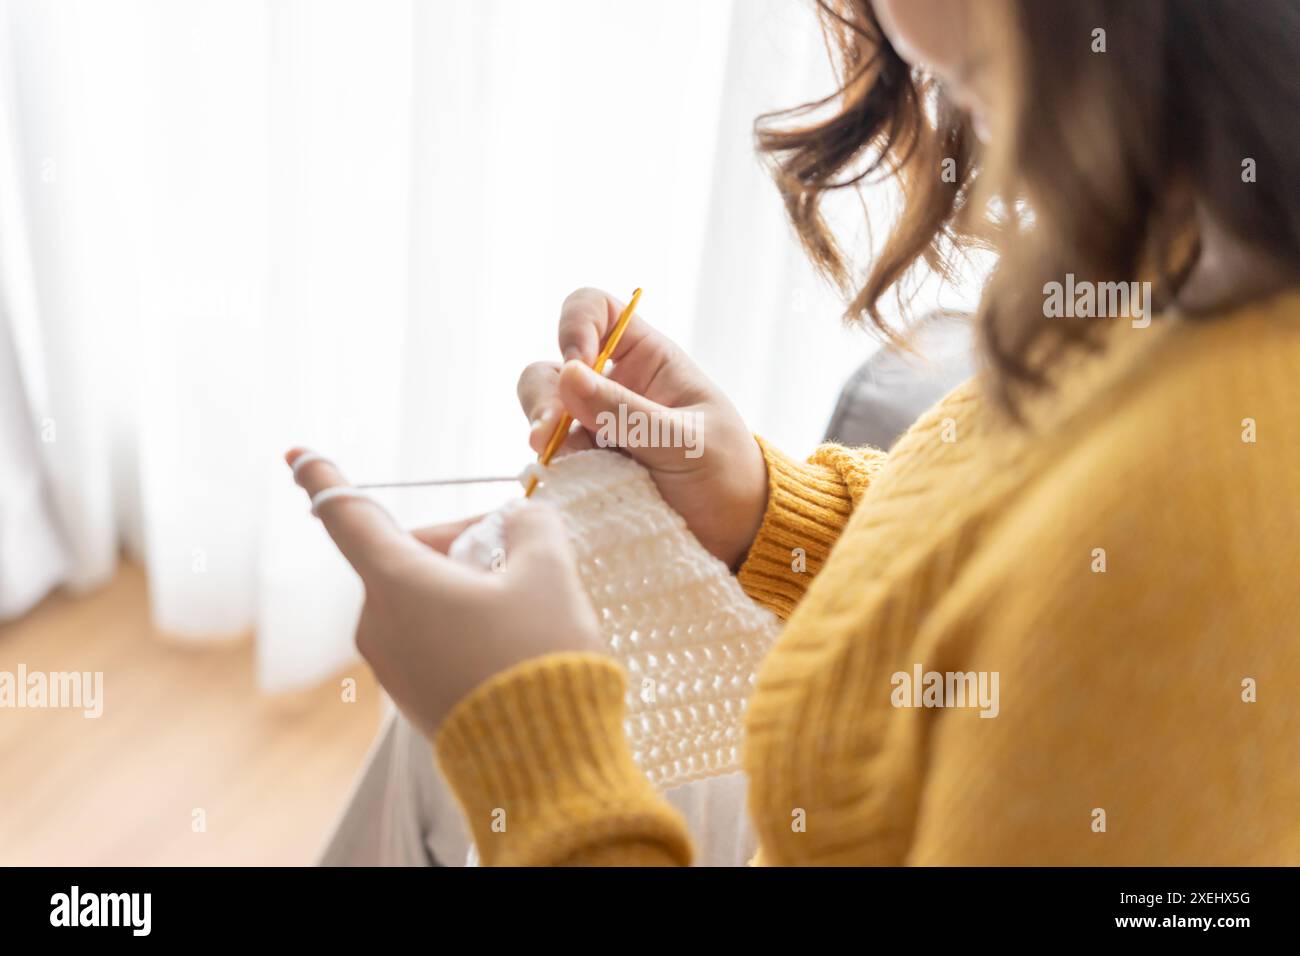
183 730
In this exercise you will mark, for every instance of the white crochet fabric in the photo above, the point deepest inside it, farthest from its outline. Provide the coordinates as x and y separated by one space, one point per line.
672 614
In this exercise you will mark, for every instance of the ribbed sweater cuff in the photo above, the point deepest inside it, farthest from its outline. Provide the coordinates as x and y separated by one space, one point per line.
807 508
538 758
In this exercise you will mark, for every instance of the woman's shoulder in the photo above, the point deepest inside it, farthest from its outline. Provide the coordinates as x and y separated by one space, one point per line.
1195 443
1207 395
1177 416
1187 440
1218 396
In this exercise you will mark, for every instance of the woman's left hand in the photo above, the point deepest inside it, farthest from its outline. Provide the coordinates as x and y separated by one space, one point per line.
432 629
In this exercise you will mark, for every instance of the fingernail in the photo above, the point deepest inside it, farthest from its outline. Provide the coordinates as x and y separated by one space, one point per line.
540 421
572 352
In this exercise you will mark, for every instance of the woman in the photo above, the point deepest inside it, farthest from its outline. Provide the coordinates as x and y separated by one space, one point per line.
1102 526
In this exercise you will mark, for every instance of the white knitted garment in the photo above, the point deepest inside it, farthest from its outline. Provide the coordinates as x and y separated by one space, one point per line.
672 614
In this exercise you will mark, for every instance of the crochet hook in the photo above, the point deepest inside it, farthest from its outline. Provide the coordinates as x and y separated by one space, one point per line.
566 421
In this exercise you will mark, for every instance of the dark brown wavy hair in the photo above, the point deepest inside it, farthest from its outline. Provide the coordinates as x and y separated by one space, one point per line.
1098 167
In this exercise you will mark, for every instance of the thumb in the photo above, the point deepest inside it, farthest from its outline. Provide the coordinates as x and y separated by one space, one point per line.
618 416
535 534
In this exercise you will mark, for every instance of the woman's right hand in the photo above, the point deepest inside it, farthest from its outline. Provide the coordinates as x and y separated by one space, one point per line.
712 472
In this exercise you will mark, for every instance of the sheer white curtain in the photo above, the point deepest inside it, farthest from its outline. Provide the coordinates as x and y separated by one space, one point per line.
227 227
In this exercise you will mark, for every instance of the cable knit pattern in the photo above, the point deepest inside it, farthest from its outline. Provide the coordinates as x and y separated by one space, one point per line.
1126 564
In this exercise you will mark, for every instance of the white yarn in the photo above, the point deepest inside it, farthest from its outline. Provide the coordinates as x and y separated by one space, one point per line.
363 491
672 614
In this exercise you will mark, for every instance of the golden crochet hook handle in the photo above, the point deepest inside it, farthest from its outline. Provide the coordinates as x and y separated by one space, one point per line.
566 421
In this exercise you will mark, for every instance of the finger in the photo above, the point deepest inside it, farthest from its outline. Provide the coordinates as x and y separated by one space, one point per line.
363 531
538 389
586 318
604 407
539 395
440 536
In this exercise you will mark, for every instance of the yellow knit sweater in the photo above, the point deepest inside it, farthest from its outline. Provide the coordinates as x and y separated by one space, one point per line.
1128 566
